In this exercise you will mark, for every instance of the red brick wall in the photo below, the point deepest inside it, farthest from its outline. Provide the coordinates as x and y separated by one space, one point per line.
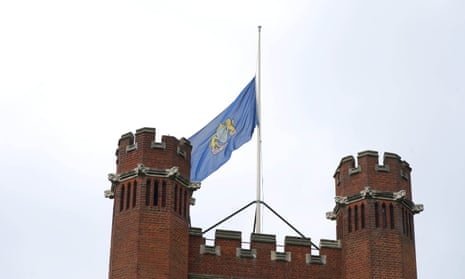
124 242
356 253
384 248
150 240
392 180
160 158
229 265
153 240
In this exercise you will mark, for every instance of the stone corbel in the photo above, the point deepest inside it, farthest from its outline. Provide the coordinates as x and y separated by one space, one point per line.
331 215
340 200
417 208
109 194
195 185
367 192
400 195
141 169
174 171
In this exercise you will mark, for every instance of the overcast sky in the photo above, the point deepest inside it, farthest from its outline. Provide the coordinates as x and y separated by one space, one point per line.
338 77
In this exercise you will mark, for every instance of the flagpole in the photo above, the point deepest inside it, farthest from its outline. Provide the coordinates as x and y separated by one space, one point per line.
258 213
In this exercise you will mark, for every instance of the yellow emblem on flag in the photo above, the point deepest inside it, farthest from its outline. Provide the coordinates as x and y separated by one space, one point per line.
219 139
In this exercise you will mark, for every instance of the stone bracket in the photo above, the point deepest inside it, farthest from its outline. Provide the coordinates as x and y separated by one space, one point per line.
368 193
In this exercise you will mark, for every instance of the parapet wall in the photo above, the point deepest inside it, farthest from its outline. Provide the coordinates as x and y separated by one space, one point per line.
392 175
227 259
142 148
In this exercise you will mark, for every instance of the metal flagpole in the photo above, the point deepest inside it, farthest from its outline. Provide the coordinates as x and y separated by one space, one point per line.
258 213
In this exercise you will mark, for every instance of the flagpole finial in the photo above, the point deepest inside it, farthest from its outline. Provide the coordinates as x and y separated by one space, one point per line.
259 27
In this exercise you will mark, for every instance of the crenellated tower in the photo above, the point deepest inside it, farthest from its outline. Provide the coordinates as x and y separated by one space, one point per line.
152 236
374 217
152 195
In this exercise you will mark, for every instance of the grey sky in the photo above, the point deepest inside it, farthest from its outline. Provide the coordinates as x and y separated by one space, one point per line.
338 77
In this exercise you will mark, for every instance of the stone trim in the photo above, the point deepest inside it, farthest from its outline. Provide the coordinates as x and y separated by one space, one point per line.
331 215
158 145
327 243
368 193
403 175
195 231
109 194
246 253
382 168
356 170
226 234
368 153
127 135
315 259
192 200
181 152
265 238
145 130
141 170
347 158
391 155
298 241
281 256
210 250
131 147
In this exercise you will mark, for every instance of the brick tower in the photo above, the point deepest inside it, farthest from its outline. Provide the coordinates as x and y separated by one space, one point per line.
151 192
152 237
374 217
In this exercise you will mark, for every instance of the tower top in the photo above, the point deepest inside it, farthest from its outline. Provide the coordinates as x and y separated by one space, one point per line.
142 148
140 154
374 216
368 179
393 174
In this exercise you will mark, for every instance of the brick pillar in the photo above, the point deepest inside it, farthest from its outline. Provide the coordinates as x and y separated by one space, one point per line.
151 192
374 217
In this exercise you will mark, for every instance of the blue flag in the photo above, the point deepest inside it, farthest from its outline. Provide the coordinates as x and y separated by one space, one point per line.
213 145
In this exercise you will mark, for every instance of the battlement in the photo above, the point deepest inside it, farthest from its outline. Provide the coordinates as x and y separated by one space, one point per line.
142 149
152 237
393 174
227 257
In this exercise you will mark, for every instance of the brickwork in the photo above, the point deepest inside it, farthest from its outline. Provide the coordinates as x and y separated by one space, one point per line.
292 263
392 175
375 217
142 149
151 207
152 238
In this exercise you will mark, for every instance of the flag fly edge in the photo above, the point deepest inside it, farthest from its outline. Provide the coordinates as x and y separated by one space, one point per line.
212 146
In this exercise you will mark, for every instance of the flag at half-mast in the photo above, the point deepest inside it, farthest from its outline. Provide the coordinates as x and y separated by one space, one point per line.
213 145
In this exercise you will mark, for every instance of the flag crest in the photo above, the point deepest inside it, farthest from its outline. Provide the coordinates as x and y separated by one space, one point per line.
213 145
